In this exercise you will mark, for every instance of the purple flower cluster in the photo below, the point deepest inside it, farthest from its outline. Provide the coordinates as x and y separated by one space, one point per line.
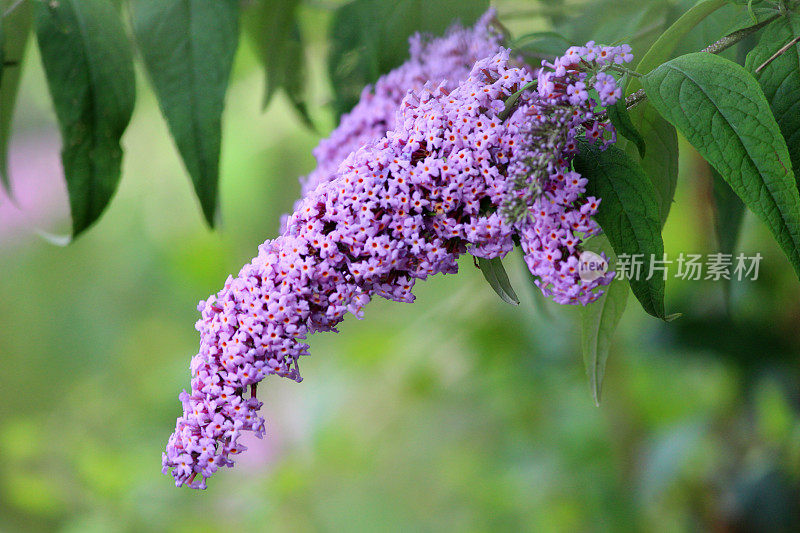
447 59
545 198
396 210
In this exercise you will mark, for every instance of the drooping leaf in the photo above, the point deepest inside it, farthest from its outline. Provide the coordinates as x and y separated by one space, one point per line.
496 276
728 216
720 109
188 48
369 38
660 163
780 80
628 214
618 114
269 24
353 60
295 81
599 321
541 303
16 29
89 66
273 30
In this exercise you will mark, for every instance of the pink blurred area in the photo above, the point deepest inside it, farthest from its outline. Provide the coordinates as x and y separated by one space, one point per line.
39 193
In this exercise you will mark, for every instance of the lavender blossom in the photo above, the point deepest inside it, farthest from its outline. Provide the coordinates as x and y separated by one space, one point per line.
545 199
447 60
396 210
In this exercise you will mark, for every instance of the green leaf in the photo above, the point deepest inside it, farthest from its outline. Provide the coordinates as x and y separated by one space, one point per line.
599 321
541 45
628 214
269 25
780 80
2 51
294 83
618 114
273 30
610 21
661 50
544 41
660 163
89 66
496 275
16 30
720 109
728 216
369 38
188 48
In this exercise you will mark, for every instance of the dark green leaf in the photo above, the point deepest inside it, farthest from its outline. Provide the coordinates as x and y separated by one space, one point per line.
728 216
495 274
628 214
89 65
2 50
660 163
353 60
16 30
780 80
541 303
720 109
273 29
618 114
369 38
270 25
599 321
295 81
188 48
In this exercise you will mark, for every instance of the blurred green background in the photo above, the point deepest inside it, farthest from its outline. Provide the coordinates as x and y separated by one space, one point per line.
458 412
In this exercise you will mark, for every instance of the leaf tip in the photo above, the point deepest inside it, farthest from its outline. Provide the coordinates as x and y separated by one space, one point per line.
56 240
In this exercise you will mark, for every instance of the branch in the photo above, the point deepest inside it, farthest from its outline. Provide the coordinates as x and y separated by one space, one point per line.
733 38
777 54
